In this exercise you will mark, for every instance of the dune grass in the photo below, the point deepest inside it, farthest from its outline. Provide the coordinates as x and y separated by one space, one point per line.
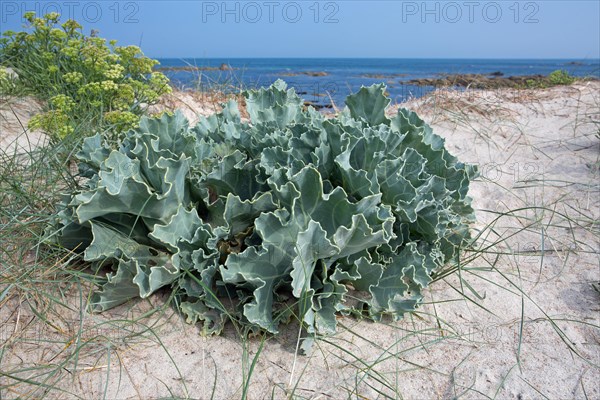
52 347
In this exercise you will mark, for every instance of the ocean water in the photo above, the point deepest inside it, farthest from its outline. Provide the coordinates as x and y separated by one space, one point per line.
345 76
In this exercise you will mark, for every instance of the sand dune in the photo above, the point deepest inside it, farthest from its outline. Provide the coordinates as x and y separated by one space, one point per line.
521 320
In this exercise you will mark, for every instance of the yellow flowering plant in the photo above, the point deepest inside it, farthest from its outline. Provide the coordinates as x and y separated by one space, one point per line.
89 85
7 81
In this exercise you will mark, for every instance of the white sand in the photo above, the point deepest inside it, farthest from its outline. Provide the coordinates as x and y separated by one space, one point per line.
535 149
14 116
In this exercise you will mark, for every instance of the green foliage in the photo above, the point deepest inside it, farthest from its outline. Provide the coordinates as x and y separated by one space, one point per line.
281 214
7 81
534 84
88 84
560 77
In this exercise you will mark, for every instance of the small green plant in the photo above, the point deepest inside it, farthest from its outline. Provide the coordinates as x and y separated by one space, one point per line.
89 86
534 84
560 77
7 81
282 214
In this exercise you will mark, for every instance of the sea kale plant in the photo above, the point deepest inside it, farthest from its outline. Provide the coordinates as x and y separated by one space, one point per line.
87 84
277 216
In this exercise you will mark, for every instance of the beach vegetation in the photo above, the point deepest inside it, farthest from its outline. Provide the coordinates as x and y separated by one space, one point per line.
560 77
89 85
555 78
281 214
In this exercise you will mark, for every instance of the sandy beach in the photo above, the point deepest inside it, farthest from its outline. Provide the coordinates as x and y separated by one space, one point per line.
520 321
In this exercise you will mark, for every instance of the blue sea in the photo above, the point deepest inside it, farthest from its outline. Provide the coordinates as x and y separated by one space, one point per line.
345 76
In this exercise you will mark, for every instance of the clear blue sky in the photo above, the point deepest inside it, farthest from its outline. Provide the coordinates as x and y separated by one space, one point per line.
355 28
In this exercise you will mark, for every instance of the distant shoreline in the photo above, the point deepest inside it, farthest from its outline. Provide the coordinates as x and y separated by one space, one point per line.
584 59
324 80
495 80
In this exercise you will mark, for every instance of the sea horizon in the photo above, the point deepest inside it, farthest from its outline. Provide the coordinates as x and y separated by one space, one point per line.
322 80
372 58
